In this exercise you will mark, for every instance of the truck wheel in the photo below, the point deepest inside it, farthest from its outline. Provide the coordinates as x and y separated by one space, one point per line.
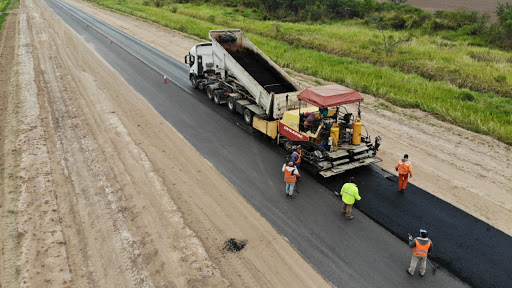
216 97
248 116
194 81
209 92
232 104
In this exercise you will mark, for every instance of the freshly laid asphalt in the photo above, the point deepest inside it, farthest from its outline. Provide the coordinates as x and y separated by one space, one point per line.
368 251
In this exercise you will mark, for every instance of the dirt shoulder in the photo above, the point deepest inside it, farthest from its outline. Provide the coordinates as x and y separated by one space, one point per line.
471 171
9 154
99 191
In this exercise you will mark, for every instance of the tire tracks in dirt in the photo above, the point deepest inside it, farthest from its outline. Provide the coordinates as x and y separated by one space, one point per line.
43 256
103 175
9 153
111 195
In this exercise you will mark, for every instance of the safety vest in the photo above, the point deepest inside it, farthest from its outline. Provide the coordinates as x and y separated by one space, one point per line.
404 167
350 193
289 177
421 250
298 158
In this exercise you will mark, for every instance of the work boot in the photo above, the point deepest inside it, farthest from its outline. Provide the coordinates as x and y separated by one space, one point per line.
291 196
350 217
407 270
422 274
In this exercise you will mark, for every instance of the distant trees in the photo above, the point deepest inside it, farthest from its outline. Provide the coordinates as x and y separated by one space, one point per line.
502 31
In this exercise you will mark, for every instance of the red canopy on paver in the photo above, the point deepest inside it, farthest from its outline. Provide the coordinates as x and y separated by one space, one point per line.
330 95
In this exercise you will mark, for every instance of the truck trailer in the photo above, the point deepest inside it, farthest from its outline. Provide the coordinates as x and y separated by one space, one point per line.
235 72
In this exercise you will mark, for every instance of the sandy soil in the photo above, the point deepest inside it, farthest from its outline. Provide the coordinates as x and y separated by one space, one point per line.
98 190
470 171
92 195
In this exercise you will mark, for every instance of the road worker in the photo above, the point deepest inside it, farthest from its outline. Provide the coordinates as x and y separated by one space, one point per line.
421 247
310 117
404 168
349 195
290 177
296 156
309 121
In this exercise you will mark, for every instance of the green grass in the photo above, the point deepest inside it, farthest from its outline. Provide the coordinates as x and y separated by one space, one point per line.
2 20
386 107
4 4
431 57
485 113
3 7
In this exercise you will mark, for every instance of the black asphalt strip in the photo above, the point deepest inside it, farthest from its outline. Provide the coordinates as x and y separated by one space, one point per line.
464 245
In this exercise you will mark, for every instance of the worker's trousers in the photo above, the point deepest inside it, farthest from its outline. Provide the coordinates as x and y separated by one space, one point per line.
414 262
289 188
402 181
347 209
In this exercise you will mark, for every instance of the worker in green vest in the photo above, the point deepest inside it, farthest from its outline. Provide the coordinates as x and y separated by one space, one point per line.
349 195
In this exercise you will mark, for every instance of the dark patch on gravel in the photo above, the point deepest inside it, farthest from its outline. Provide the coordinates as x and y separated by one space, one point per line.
234 245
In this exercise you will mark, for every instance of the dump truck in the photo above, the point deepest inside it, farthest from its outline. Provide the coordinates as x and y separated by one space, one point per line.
235 72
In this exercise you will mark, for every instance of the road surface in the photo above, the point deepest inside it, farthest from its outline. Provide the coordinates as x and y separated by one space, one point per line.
357 253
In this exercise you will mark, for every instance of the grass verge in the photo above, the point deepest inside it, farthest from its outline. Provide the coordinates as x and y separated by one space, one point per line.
478 69
484 113
3 7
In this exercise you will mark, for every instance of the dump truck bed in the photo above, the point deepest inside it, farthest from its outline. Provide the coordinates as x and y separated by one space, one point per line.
237 55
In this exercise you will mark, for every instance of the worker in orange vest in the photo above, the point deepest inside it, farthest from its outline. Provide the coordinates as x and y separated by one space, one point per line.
421 247
290 177
404 168
296 156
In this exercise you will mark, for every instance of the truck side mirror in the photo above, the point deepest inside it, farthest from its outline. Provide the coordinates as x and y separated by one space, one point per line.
189 59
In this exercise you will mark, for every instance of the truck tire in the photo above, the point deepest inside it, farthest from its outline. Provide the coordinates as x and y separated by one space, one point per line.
194 81
232 104
216 97
209 92
248 116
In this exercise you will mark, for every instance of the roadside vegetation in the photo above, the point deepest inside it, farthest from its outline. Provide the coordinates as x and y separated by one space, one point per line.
479 69
462 24
454 80
3 7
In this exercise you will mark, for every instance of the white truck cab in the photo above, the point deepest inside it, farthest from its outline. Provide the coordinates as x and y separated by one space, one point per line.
200 60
